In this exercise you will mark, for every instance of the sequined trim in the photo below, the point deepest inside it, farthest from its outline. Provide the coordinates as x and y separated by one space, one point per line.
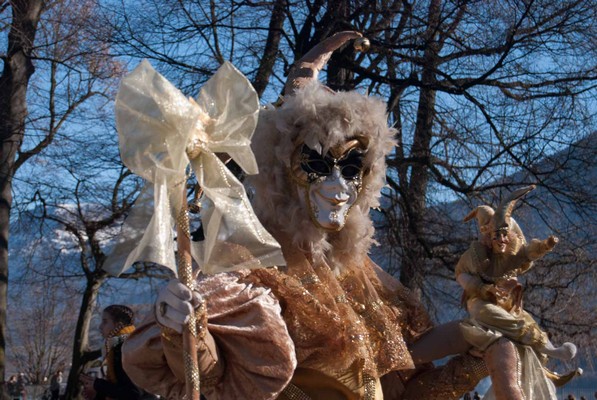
478 368
341 299
292 392
191 371
183 222
369 384
371 308
519 373
310 280
395 300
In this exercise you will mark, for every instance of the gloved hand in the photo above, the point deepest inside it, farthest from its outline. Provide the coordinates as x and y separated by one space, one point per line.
550 243
175 304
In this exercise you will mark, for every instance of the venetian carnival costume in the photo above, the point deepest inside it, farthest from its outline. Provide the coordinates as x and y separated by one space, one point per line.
488 272
329 324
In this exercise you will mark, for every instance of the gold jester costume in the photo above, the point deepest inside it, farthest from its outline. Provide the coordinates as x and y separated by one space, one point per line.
327 323
488 273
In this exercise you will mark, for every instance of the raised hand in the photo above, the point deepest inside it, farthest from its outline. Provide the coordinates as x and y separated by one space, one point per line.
551 242
175 304
538 248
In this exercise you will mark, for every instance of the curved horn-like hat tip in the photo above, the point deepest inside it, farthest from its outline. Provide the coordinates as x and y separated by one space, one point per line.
308 67
507 205
504 210
319 55
470 215
517 194
482 213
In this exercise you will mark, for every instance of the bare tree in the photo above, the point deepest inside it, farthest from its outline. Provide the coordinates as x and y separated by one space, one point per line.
65 141
40 348
14 81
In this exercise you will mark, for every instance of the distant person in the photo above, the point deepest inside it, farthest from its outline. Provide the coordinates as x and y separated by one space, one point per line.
115 327
55 385
571 397
21 385
583 398
13 388
467 396
476 396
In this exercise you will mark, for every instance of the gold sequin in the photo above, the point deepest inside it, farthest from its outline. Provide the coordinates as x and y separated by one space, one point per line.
369 310
341 299
310 280
369 384
183 222
519 372
201 321
292 392
354 310
191 326
191 371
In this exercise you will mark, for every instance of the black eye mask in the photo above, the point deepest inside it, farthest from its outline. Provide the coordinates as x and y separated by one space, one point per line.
350 163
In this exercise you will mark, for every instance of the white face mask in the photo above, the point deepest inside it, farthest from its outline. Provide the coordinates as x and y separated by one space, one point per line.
331 198
331 185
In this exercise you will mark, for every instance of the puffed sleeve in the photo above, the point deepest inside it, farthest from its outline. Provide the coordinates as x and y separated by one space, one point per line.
246 350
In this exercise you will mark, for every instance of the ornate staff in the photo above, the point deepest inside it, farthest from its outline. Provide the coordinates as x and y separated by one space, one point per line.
185 275
162 133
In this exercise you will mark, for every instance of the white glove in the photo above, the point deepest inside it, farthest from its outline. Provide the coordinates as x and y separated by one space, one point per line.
175 304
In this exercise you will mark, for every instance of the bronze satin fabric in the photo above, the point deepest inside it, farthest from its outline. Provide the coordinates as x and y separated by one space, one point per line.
254 352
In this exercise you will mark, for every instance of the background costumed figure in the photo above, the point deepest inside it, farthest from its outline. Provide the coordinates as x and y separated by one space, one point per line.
488 272
116 325
329 323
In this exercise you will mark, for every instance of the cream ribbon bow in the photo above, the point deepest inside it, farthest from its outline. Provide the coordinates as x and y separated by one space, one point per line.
161 133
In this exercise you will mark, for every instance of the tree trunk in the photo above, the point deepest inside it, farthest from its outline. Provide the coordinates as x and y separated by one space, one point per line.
81 336
339 76
14 81
272 45
415 195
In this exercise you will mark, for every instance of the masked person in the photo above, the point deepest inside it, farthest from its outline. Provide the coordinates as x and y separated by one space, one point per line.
488 273
330 324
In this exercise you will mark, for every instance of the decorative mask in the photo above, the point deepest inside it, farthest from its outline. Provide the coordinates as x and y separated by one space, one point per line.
331 182
499 230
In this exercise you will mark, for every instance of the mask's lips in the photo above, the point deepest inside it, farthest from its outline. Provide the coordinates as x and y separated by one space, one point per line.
339 199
